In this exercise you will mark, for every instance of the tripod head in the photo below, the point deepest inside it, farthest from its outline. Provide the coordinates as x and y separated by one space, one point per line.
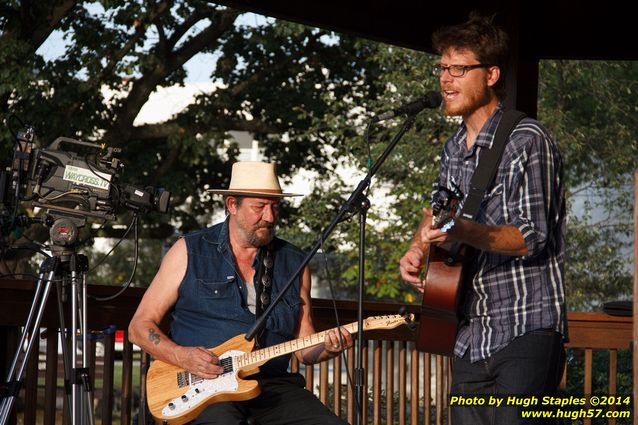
63 230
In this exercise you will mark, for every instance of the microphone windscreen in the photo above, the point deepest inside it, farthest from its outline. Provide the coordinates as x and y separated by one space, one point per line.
433 99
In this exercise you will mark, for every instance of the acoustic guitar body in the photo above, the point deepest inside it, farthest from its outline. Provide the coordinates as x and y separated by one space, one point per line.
441 296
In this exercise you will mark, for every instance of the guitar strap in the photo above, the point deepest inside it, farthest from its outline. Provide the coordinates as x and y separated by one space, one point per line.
486 171
263 281
488 164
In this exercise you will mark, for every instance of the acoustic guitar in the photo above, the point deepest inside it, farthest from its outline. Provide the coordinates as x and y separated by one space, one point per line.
442 281
176 396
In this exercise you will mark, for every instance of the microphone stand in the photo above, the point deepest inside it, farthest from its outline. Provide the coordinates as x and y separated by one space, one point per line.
357 202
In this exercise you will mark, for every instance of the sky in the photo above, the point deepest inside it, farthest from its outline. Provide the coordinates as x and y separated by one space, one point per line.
199 67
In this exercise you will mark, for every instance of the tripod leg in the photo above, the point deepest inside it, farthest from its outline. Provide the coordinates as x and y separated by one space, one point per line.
66 361
27 326
85 383
81 390
76 407
88 390
84 379
14 380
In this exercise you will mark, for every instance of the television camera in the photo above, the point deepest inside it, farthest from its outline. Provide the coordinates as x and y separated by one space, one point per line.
75 183
71 179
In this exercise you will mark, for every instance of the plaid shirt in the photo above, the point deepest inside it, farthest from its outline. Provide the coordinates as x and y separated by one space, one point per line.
507 296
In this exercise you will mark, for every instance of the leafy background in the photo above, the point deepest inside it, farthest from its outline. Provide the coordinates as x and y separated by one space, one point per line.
305 94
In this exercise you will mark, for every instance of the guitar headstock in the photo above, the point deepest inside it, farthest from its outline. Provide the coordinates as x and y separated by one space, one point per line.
387 322
446 206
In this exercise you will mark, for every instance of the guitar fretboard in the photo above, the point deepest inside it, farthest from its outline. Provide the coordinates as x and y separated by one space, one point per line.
262 355
259 357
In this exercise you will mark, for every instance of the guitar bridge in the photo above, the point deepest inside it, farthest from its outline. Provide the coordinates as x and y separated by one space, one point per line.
227 364
183 379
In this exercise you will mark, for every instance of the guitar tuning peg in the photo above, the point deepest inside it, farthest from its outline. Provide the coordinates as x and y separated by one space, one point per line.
409 317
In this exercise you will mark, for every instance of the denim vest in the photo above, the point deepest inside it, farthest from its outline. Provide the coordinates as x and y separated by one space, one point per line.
211 306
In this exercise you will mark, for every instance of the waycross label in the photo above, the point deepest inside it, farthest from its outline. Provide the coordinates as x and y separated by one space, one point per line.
87 177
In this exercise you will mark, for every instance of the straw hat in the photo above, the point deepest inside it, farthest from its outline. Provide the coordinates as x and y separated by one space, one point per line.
253 178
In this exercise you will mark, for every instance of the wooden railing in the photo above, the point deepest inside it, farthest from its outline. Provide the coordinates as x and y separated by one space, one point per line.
402 385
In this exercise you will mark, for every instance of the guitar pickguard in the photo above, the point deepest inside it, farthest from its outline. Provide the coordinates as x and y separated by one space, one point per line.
201 390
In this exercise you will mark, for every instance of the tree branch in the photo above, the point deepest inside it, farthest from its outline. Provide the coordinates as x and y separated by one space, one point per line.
97 80
140 30
188 23
163 41
222 21
258 77
44 27
35 21
143 87
168 163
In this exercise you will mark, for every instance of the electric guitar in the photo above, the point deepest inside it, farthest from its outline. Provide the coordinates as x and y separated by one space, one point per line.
176 396
442 282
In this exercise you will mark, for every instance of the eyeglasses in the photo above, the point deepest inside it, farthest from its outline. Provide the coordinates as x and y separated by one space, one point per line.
456 70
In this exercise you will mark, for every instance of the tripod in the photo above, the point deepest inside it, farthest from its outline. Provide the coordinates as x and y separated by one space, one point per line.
63 269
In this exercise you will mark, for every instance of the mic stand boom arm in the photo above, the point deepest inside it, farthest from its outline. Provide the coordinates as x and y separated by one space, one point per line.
356 202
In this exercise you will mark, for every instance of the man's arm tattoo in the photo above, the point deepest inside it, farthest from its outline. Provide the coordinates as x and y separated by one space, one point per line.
153 336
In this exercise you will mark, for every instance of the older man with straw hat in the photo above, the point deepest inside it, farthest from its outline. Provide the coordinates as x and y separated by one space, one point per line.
216 281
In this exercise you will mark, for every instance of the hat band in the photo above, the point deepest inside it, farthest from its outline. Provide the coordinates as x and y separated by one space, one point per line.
274 191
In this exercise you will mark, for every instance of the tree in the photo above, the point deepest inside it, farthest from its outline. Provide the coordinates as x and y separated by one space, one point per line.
401 187
305 94
591 107
287 84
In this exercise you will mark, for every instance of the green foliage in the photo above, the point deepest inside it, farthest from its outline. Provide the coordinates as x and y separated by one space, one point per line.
401 187
306 95
282 82
591 108
597 269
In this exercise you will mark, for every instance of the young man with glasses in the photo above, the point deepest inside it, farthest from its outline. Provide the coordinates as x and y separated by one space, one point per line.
512 320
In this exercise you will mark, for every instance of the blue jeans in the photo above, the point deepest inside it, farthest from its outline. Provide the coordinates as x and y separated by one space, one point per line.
531 364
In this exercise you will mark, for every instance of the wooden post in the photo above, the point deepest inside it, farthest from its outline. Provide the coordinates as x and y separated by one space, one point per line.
635 306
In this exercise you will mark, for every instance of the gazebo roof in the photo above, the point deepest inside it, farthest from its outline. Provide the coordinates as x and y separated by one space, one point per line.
542 29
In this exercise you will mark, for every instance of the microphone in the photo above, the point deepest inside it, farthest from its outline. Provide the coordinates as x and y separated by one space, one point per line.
431 99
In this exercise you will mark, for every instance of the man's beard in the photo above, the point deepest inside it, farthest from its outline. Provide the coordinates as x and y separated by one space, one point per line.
260 240
473 101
